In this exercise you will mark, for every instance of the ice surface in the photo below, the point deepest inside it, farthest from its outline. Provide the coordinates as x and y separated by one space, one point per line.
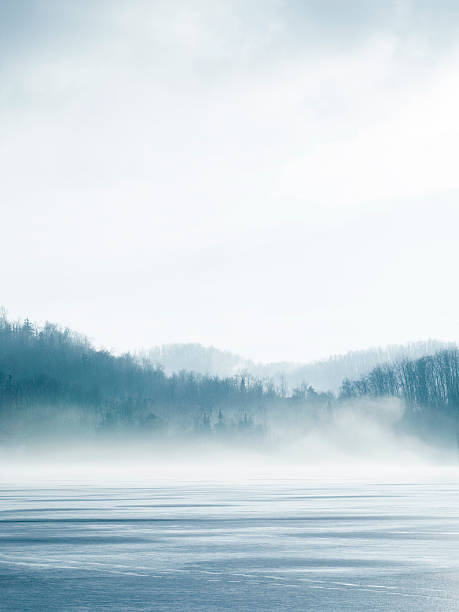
295 544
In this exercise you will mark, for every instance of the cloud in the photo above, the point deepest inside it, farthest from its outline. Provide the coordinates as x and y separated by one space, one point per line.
407 152
143 142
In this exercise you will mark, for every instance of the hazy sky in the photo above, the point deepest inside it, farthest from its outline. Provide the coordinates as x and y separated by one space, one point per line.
278 178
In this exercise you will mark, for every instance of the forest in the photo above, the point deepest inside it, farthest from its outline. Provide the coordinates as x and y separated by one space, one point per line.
54 380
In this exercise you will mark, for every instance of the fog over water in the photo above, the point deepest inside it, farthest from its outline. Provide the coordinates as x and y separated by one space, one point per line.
337 511
361 437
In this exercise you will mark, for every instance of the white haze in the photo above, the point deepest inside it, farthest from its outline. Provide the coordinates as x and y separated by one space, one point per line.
361 438
277 178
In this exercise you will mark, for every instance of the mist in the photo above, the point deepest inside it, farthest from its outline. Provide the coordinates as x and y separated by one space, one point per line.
363 437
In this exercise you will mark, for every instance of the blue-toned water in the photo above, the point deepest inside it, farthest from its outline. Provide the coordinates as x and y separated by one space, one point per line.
265 544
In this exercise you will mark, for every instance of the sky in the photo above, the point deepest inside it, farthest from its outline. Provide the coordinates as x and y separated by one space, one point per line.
274 177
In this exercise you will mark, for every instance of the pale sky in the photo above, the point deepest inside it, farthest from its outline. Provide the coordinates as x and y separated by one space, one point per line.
275 177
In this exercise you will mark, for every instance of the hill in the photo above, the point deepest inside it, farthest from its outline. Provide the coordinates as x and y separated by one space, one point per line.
325 375
54 382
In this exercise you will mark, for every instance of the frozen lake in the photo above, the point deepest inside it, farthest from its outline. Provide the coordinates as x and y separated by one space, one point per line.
264 544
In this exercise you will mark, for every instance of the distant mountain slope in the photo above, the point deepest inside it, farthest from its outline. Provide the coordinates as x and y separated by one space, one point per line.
195 357
325 375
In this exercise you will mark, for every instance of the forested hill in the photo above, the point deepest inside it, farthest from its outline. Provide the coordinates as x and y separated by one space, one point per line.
54 382
428 387
57 374
325 375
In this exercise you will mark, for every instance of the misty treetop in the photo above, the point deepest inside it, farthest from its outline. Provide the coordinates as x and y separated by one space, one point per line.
428 387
